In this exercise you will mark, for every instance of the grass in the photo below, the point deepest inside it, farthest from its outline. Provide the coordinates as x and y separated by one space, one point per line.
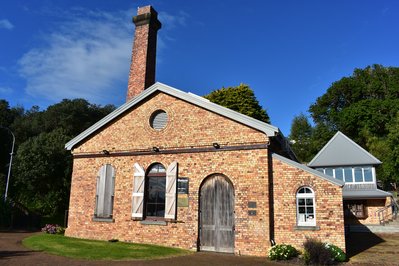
98 250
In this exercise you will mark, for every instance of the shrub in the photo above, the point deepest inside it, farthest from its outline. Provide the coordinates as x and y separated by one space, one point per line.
282 252
336 253
53 229
317 253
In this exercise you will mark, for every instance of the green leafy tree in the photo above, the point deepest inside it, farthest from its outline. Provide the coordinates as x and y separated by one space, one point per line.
42 173
42 168
363 106
241 99
368 99
301 138
7 116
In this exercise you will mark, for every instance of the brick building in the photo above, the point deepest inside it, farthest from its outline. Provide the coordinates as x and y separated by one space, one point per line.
171 168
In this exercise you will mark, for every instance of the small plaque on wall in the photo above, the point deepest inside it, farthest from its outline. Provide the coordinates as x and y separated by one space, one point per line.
182 201
252 204
182 185
252 213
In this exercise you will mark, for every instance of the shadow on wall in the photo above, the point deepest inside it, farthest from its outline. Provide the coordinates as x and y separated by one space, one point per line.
361 240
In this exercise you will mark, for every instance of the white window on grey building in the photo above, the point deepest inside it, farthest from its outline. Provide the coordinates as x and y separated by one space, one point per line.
359 174
105 192
306 215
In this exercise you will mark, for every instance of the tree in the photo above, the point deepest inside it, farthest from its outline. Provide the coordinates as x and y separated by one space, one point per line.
7 116
241 99
368 99
42 173
301 138
364 107
42 167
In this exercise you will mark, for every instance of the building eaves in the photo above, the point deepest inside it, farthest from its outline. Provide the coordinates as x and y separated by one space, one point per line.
268 129
309 170
365 194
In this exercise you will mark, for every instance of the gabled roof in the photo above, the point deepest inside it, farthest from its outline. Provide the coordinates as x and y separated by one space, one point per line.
309 170
341 151
268 129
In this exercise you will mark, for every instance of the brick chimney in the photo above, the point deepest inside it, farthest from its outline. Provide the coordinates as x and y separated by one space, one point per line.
142 68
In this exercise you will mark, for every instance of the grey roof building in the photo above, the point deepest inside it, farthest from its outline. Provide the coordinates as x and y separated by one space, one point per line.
344 159
342 151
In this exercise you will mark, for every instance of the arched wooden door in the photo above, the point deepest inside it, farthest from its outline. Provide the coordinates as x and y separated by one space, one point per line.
217 215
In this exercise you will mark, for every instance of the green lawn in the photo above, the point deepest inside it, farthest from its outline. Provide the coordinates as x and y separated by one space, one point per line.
98 250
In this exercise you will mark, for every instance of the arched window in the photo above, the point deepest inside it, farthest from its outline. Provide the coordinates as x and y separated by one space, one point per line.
306 215
155 191
105 192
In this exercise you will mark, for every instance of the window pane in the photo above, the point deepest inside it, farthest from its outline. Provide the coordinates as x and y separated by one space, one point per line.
157 168
155 200
310 217
339 174
301 209
302 190
309 202
301 201
301 218
368 176
348 174
308 191
358 174
320 170
329 171
309 210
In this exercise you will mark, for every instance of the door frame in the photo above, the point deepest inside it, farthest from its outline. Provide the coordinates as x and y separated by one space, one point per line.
199 211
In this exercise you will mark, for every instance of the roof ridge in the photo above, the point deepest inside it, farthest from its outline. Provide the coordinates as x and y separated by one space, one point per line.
266 128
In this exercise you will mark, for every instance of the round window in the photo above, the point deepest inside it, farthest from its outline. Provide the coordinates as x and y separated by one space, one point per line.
158 120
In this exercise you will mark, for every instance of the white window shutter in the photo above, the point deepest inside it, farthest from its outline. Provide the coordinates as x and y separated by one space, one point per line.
138 192
100 191
170 190
109 190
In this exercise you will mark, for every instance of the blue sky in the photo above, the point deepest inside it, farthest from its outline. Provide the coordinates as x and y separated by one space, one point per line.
289 52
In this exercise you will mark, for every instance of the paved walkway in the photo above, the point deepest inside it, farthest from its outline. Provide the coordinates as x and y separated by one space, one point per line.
13 253
370 249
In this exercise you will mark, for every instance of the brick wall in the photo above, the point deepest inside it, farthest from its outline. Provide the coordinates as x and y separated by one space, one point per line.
287 180
371 206
188 126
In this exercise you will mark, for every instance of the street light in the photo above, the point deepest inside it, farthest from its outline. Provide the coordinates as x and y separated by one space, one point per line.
10 164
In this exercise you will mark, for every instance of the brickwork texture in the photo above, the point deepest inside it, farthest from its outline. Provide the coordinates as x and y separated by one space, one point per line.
191 126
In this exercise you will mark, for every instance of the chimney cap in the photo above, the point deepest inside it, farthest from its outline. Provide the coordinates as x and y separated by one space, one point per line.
147 15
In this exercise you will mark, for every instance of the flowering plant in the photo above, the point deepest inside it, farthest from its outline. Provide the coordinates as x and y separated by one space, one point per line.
53 229
282 252
336 253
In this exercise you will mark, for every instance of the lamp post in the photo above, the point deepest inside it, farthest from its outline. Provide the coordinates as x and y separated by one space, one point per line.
10 164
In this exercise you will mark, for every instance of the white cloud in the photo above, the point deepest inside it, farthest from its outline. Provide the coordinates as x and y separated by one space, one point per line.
6 24
87 56
172 21
5 90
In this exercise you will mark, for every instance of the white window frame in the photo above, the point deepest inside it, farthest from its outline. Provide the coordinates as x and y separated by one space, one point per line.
353 173
308 221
